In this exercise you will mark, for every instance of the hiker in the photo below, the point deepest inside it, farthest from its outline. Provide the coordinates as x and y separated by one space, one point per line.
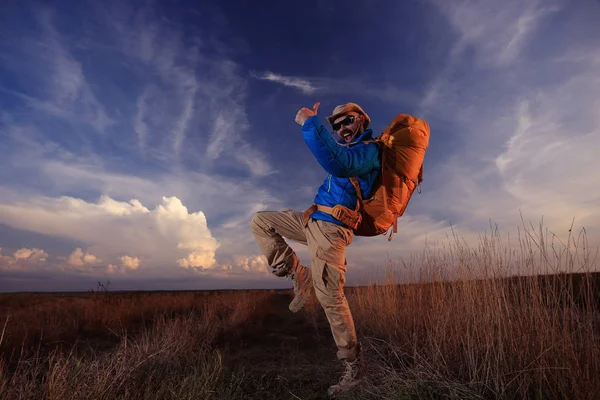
328 226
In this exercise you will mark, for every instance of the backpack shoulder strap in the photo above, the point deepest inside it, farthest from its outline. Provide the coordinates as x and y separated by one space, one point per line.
356 185
420 179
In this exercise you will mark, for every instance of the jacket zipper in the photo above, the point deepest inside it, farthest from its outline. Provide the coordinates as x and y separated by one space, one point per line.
328 183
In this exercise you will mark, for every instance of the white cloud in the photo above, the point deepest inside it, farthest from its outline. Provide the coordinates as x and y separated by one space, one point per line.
90 259
353 86
113 269
181 125
223 134
69 95
216 195
548 169
162 236
139 124
230 202
254 161
23 257
248 264
173 220
178 85
32 255
527 142
499 32
79 258
521 146
198 259
298 83
113 207
128 262
196 89
256 263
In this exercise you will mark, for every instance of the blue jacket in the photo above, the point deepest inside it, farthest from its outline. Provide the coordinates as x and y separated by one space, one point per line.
341 161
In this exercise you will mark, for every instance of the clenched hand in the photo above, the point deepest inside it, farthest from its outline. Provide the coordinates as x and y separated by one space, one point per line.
304 113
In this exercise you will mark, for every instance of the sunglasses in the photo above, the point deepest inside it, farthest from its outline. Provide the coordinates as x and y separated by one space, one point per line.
346 121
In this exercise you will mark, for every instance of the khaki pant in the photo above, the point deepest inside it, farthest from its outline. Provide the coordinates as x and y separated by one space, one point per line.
327 246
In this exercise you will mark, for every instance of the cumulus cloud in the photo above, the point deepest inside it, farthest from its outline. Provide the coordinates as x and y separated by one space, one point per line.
253 263
248 264
113 269
79 258
23 257
33 255
198 259
128 262
113 207
167 235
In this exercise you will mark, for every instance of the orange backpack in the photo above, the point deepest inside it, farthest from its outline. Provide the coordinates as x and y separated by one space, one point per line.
403 144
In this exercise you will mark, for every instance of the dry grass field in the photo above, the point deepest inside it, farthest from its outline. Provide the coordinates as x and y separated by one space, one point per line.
473 334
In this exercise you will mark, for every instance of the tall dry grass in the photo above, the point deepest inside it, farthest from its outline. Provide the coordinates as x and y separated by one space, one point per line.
162 347
489 321
468 331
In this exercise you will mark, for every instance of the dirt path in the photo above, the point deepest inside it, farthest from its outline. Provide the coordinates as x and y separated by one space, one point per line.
287 356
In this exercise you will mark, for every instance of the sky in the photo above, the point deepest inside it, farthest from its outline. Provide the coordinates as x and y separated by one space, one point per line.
139 138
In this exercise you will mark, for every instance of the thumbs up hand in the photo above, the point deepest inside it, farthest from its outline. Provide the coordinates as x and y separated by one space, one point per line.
304 113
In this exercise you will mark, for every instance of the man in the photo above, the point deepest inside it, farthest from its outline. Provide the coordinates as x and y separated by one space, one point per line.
325 235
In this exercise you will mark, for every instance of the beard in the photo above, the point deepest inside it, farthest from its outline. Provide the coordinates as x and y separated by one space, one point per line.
347 135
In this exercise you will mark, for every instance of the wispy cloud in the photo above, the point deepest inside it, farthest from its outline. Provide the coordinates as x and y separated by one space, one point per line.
513 130
70 94
301 84
254 161
392 94
182 124
522 151
197 94
498 32
139 125
223 134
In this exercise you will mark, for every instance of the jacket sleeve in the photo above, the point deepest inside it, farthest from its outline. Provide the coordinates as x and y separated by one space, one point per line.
336 159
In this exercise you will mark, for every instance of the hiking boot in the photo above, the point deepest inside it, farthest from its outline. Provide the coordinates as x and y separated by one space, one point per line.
285 268
301 279
350 379
302 286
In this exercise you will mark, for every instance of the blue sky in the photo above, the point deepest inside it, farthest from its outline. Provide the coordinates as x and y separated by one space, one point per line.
139 138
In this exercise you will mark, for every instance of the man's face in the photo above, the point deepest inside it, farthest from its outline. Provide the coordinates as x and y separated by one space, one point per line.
348 126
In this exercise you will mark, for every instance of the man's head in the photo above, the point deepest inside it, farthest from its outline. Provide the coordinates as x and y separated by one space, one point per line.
349 121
